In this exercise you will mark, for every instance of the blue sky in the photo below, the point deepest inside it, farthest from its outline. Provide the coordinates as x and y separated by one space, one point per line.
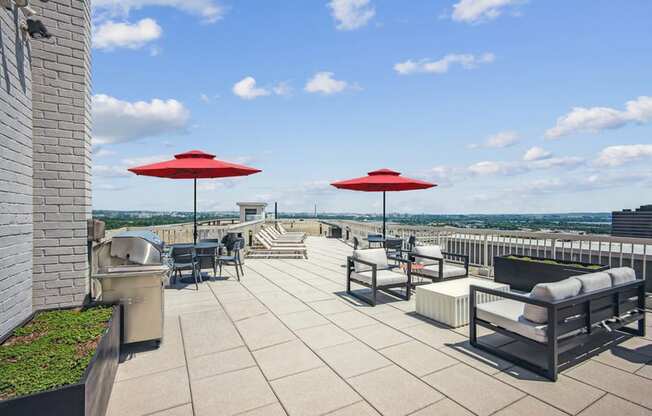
511 106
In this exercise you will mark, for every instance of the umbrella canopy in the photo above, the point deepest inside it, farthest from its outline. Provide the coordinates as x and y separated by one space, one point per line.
383 180
194 165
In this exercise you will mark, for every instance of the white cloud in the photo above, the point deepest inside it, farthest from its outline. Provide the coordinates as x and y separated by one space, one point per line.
473 11
110 35
583 183
247 90
205 98
324 83
596 119
351 14
503 139
209 10
556 162
441 66
209 185
619 155
515 168
499 140
108 187
117 121
492 168
444 175
100 151
283 88
144 160
109 171
536 153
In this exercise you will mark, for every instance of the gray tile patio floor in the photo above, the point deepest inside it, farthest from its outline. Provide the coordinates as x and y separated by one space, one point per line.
287 340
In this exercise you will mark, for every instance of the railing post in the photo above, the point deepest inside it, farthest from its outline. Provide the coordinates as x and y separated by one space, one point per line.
486 251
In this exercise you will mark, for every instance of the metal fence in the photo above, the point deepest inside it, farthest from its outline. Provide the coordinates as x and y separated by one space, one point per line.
182 233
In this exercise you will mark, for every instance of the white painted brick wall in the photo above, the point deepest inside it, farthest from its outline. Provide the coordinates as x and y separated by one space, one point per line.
62 153
15 173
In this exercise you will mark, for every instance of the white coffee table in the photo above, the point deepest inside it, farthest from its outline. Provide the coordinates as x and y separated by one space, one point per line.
448 302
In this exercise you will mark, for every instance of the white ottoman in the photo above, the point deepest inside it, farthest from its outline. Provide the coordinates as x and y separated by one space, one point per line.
448 302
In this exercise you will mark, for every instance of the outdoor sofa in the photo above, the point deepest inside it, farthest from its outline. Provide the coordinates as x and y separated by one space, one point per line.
370 268
555 318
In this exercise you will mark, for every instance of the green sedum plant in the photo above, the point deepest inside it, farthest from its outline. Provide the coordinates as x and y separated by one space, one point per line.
52 350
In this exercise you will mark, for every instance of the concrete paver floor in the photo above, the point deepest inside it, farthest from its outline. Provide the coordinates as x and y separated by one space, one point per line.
288 340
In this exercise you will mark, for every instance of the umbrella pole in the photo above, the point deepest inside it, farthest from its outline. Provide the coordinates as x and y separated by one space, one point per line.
384 197
194 233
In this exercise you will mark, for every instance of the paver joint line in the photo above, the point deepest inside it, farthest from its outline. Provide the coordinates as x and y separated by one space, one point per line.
185 358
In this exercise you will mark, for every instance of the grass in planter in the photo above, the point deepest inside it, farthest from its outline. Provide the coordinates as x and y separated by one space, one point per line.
550 261
52 350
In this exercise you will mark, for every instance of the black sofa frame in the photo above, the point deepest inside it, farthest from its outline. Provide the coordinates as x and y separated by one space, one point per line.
440 260
593 313
350 263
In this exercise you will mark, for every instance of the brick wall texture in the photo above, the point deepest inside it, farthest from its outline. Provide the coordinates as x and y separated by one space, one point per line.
62 153
15 173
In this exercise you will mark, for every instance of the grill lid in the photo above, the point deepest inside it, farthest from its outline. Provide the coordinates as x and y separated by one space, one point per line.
141 247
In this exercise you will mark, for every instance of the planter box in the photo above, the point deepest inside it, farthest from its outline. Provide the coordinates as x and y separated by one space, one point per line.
523 274
88 397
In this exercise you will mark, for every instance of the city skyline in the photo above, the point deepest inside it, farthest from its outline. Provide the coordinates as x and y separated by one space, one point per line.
515 107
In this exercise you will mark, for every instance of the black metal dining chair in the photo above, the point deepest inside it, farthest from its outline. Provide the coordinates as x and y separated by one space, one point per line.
234 259
184 258
207 257
394 247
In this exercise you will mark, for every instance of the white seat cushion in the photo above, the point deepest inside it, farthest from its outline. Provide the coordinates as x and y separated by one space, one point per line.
430 251
450 270
561 290
377 256
383 277
620 275
508 314
594 281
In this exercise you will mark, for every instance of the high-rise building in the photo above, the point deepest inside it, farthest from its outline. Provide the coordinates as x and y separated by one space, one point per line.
628 223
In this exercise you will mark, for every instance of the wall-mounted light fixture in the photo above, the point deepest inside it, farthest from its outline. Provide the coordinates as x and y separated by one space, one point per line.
37 29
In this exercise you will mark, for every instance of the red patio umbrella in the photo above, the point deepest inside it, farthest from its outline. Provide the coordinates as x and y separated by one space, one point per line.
194 165
383 180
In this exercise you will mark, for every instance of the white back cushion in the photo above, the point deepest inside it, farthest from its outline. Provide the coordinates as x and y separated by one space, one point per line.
377 256
620 275
561 290
594 281
430 251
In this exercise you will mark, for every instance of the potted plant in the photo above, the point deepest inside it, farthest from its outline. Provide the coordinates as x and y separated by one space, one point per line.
60 362
523 272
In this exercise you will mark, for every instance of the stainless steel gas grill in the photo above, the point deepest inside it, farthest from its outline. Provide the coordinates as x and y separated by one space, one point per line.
132 269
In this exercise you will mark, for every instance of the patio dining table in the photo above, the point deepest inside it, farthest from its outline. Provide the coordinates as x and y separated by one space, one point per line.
200 247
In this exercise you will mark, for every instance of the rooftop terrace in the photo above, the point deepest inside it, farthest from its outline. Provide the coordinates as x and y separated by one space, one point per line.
288 340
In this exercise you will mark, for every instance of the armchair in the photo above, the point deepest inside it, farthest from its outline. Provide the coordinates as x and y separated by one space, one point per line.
435 267
370 268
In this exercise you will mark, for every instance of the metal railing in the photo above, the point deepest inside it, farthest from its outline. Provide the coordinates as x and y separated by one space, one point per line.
482 245
182 233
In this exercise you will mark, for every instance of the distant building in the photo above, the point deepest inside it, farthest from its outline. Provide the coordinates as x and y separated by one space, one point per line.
628 223
252 211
